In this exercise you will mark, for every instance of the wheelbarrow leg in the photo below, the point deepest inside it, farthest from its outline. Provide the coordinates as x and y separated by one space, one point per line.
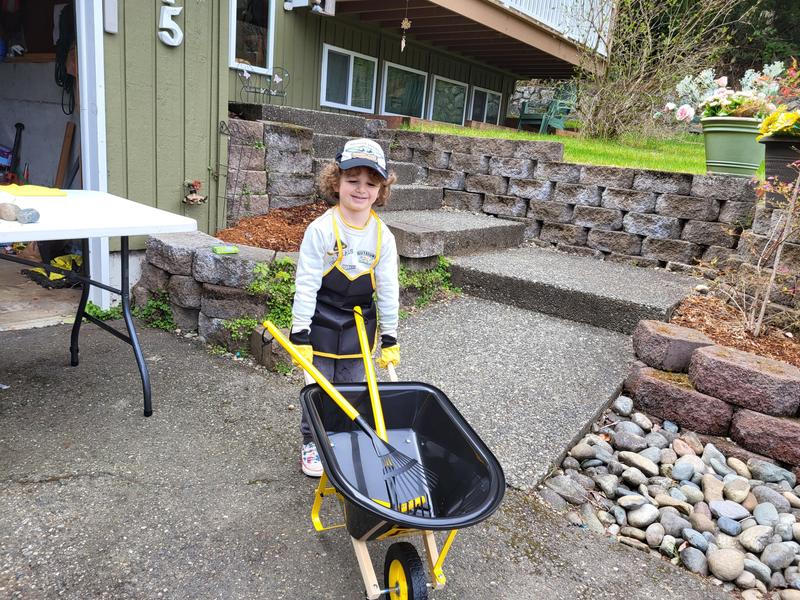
371 586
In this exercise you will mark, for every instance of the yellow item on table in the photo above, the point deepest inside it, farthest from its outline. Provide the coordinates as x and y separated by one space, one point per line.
31 190
390 355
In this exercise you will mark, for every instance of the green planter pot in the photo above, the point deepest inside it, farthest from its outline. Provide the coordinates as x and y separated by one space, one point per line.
731 146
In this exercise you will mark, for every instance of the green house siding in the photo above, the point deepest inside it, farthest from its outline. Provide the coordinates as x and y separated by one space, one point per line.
300 36
164 105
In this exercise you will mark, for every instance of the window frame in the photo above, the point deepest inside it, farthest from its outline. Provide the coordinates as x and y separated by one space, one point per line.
386 65
486 107
433 97
232 4
324 78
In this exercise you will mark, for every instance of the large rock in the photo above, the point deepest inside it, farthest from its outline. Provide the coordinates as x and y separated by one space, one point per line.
747 380
174 252
184 291
657 394
650 225
776 437
726 565
222 302
231 270
665 346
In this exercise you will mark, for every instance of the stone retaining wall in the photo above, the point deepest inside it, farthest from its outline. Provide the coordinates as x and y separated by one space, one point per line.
685 378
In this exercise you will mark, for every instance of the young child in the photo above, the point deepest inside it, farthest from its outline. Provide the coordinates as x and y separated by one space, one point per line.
347 255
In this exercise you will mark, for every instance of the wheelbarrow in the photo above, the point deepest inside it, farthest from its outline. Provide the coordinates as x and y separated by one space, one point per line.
466 486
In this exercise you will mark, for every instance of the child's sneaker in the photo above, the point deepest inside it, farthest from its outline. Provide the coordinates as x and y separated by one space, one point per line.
309 460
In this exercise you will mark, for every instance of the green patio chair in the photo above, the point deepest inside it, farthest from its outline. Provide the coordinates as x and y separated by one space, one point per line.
560 108
531 114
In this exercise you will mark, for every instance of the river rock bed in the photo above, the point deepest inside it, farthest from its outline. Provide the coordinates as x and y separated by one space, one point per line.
671 492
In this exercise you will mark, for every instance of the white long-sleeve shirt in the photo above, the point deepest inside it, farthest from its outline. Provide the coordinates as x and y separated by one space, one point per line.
318 252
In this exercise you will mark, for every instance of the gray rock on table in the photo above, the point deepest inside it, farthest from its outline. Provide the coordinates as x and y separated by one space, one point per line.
28 215
8 212
12 212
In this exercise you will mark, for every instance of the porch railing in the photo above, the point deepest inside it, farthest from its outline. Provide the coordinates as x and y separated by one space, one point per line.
586 22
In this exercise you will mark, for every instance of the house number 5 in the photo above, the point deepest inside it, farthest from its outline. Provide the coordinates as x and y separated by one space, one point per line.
169 31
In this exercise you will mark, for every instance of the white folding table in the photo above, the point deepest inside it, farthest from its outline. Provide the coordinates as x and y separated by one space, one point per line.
83 215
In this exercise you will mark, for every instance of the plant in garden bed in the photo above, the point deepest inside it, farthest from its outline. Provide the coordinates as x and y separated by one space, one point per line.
276 281
422 287
157 312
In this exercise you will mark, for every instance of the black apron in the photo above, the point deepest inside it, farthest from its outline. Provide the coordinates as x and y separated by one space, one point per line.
333 327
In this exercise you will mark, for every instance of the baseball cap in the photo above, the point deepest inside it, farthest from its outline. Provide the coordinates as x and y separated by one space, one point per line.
362 153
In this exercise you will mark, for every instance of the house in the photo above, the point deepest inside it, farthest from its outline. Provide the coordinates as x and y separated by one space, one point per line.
153 80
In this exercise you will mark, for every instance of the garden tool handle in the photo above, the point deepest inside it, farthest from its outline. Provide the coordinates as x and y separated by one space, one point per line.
311 370
392 372
369 371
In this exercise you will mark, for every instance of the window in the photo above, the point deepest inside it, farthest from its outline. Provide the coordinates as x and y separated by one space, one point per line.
485 106
449 100
403 91
348 79
252 35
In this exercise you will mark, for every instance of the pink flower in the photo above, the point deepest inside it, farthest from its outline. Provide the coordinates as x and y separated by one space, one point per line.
684 113
722 81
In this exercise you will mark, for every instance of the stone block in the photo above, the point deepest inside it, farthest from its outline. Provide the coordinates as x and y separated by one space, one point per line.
539 151
636 261
400 153
762 220
737 213
560 233
411 139
286 161
140 295
152 278
185 319
653 226
579 251
598 218
531 189
495 147
435 159
614 241
519 168
463 200
222 302
665 346
508 206
629 200
453 143
750 246
469 163
487 184
290 201
213 331
687 207
671 250
184 291
614 177
723 187
445 178
575 193
290 184
776 437
778 222
670 396
245 158
417 241
245 182
231 270
747 380
174 252
790 258
710 234
662 182
248 206
246 133
553 212
717 255
286 136
558 171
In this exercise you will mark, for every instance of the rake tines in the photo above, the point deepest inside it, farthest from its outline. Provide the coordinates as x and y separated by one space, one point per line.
408 482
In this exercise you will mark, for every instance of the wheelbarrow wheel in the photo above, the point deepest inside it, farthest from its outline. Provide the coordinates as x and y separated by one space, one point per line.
403 573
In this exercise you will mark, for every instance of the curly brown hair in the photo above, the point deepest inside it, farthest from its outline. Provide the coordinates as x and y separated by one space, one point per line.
328 183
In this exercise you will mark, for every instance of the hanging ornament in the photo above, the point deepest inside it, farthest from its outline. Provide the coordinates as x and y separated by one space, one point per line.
405 25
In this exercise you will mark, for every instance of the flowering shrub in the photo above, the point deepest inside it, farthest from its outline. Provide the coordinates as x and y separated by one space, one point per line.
727 103
781 122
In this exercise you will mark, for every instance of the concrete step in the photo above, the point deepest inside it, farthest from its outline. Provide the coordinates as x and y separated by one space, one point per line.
414 197
427 233
608 295
317 120
407 173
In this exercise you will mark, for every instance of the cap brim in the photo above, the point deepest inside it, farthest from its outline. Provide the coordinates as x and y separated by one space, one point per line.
363 162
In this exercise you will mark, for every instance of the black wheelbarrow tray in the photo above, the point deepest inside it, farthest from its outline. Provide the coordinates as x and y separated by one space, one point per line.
423 424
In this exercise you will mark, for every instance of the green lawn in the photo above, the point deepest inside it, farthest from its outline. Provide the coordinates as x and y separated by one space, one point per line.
683 153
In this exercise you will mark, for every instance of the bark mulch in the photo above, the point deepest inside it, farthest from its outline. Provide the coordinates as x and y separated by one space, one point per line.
722 324
281 229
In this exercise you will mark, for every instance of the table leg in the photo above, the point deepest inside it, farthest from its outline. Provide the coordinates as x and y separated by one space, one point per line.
76 326
126 313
